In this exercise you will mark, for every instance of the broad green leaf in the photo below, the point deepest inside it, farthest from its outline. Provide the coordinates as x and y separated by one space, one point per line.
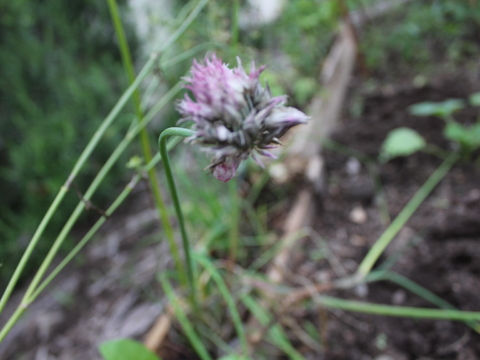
233 357
401 142
125 349
474 99
440 109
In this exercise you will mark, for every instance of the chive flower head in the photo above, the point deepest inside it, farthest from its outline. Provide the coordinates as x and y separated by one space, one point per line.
234 115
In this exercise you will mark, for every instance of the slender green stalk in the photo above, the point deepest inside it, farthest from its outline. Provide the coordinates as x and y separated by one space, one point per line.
401 311
11 322
89 149
276 334
235 16
436 151
377 249
237 322
145 142
176 202
182 318
235 215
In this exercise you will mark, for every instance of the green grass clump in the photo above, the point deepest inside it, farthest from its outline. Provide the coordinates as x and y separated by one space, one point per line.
61 73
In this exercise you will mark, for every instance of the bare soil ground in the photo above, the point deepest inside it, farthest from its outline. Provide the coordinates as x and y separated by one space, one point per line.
439 248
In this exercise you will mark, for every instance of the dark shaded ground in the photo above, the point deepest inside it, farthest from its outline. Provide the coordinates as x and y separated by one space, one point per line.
440 244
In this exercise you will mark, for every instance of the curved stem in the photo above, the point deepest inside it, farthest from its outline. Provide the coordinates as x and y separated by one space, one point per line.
162 147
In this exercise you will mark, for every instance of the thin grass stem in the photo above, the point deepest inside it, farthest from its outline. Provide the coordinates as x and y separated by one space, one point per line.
234 220
145 142
392 230
237 322
420 291
400 311
276 334
183 319
235 27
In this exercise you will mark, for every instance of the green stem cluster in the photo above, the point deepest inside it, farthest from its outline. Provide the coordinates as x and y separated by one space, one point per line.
36 286
144 139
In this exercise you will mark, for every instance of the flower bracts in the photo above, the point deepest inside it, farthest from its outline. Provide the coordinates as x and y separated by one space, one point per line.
234 115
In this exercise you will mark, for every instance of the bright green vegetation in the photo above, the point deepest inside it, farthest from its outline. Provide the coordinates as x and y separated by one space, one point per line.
59 77
420 34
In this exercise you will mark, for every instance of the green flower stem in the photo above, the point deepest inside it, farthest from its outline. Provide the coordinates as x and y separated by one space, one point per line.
145 142
162 140
89 149
401 311
377 249
235 217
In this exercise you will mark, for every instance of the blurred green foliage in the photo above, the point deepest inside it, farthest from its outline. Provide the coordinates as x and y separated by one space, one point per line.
61 73
306 30
421 33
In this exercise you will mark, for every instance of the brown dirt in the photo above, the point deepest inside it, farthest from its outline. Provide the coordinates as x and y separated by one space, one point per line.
439 248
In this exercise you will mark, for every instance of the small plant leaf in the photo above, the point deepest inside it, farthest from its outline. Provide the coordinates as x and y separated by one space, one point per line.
401 142
456 132
475 134
474 99
125 349
441 109
468 137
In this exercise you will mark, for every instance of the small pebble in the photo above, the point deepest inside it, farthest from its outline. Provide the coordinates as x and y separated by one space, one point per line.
399 297
353 166
361 290
358 215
